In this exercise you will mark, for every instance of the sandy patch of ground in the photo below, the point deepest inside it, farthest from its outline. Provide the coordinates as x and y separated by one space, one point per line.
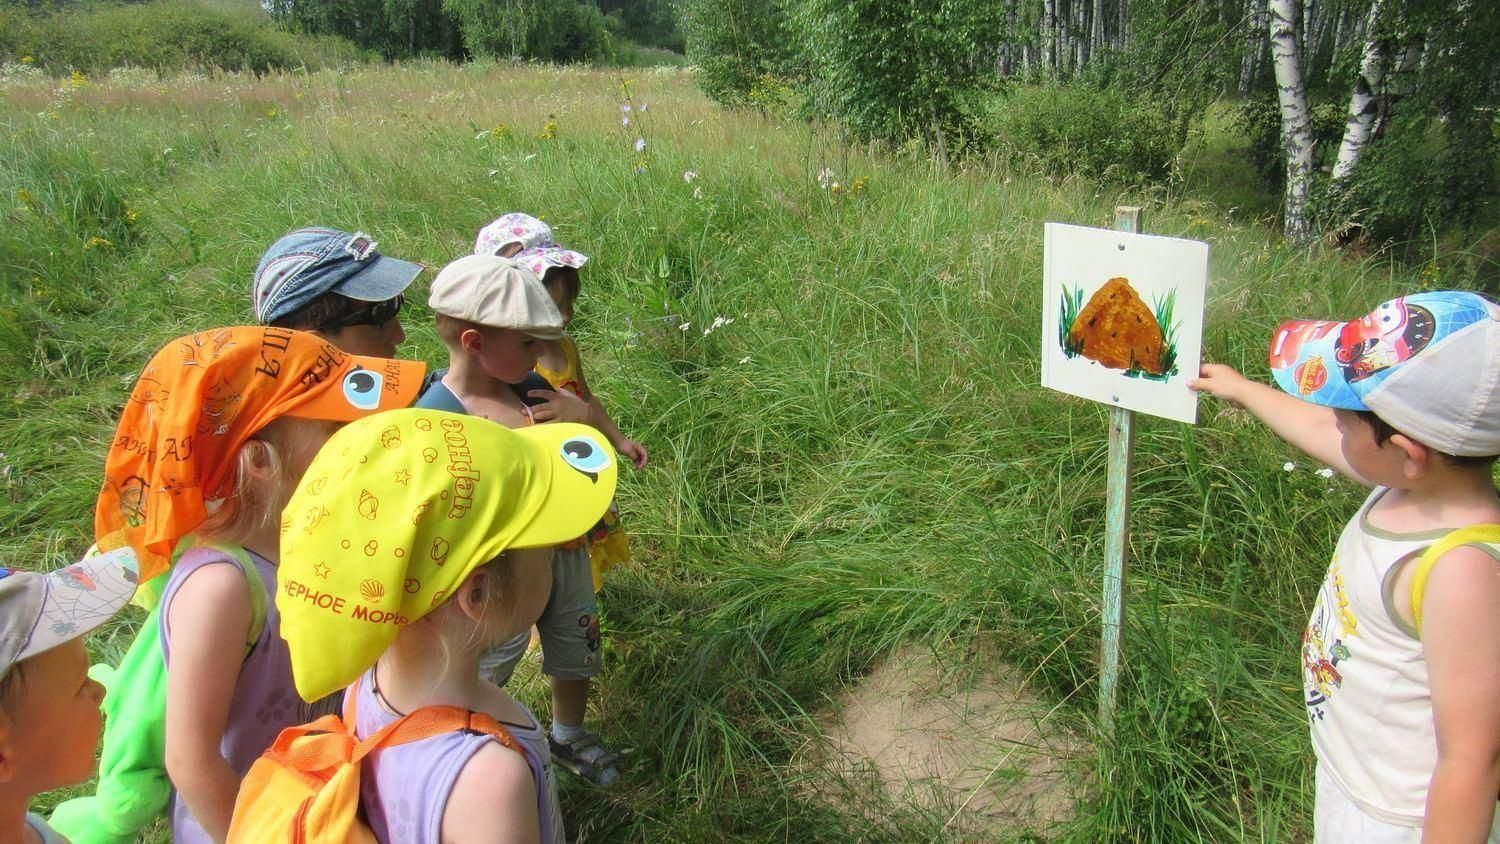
978 752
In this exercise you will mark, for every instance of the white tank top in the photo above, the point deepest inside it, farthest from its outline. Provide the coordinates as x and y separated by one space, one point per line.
1364 676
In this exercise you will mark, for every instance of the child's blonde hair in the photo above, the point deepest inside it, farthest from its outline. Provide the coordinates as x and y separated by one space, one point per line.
253 504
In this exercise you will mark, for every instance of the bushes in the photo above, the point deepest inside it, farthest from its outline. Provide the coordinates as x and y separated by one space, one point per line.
163 35
738 45
1099 133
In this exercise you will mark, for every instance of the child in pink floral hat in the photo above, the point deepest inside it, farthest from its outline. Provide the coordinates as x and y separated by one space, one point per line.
579 565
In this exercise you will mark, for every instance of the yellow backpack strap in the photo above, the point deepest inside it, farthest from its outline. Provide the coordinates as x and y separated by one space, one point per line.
1471 535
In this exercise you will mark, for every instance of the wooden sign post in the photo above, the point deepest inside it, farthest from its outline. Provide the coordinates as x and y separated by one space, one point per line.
1116 530
1122 325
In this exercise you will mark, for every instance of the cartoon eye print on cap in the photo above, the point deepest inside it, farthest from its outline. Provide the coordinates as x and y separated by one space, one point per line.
362 388
586 455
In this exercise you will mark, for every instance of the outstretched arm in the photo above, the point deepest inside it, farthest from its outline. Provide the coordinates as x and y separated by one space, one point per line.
1461 637
1310 427
599 418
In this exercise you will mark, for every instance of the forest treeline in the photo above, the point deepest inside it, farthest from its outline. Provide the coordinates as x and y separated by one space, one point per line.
1374 118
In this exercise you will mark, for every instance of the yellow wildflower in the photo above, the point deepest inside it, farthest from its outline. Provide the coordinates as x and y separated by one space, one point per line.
97 242
28 60
130 215
503 131
858 185
78 80
549 131
26 198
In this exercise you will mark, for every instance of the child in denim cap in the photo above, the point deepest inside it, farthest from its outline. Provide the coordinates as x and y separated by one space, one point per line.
49 708
336 285
1401 658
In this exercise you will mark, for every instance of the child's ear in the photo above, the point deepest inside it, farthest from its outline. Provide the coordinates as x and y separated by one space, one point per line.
473 595
1418 456
7 753
260 459
471 340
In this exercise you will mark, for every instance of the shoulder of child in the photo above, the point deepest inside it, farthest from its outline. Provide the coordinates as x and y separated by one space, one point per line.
494 799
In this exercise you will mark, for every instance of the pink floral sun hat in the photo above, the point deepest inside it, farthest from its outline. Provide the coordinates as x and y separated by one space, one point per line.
538 253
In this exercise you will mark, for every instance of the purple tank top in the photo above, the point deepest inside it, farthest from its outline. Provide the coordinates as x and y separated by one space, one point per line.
265 699
404 789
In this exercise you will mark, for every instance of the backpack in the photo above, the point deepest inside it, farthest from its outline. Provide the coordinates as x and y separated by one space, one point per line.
1471 535
305 787
133 787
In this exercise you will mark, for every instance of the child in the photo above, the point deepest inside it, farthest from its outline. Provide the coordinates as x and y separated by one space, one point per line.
474 297
216 432
336 285
49 708
415 541
491 314
561 365
1402 692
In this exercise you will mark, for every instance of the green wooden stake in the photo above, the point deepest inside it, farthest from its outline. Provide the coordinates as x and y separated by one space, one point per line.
1116 531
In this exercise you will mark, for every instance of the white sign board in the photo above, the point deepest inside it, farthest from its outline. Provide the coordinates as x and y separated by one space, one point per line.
1122 318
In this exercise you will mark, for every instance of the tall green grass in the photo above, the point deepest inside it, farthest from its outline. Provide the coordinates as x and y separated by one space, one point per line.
861 459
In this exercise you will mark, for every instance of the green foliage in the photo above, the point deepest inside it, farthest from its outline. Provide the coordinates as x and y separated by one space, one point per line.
163 35
740 46
549 30
1099 133
1259 117
650 23
898 68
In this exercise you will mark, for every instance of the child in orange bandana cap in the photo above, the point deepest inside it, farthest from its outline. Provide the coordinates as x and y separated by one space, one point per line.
216 433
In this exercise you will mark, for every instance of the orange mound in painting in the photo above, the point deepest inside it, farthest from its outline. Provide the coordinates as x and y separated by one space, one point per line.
1117 330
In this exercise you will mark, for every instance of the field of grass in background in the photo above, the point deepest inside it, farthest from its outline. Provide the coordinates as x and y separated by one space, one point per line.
833 359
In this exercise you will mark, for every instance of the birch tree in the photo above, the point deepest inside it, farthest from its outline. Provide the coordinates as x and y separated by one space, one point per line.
1364 102
1296 125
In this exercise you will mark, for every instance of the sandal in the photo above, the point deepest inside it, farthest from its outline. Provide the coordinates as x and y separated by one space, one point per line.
587 757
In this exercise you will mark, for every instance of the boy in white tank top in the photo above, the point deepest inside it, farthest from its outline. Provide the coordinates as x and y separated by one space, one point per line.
1402 692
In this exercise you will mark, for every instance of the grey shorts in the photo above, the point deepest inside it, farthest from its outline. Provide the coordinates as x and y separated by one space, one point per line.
569 627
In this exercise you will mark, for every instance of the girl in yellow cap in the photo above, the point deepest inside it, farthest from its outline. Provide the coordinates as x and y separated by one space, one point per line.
417 540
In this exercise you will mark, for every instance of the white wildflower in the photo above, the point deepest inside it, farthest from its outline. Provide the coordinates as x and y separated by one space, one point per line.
624 108
825 177
689 175
685 326
640 144
697 193
1325 472
492 173
745 359
625 122
1288 466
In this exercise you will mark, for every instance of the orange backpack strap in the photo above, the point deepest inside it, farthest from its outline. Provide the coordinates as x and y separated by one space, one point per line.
424 723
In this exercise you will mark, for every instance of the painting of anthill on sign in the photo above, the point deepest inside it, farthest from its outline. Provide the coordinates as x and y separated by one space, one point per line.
1122 319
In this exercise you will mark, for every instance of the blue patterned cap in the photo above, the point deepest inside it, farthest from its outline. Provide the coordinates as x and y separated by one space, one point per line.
1427 364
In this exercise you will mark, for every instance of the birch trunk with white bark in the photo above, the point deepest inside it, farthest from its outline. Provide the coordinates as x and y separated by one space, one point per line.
1049 36
1296 126
1364 102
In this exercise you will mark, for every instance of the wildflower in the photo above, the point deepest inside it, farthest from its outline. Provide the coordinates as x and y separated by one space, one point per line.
131 216
640 144
697 193
78 80
26 197
1325 473
97 242
28 60
689 175
549 130
825 177
745 360
624 108
625 122
858 185
492 173
685 326
1288 466
500 132
643 107
272 113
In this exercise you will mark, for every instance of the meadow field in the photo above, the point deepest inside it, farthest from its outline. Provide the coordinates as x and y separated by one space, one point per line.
831 352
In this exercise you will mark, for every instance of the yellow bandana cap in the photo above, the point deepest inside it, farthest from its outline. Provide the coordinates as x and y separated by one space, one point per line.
399 507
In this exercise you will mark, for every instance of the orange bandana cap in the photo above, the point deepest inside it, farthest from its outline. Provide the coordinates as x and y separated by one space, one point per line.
199 400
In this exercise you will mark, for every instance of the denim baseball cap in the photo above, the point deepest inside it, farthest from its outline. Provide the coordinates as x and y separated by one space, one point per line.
311 262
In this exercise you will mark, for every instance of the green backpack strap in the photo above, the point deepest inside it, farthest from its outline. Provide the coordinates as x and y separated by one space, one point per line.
133 787
1471 535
